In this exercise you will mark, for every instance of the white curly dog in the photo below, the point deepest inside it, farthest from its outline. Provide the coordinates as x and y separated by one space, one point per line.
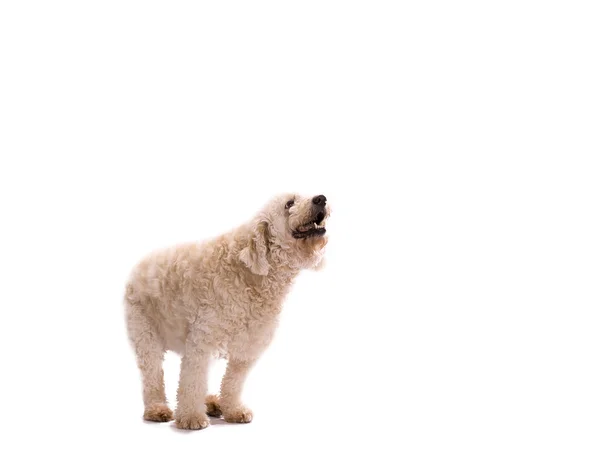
221 297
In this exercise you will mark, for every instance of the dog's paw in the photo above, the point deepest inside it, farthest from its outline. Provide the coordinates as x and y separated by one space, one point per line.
158 413
194 421
239 414
212 406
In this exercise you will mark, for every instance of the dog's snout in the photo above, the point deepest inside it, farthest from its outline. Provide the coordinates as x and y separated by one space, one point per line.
319 200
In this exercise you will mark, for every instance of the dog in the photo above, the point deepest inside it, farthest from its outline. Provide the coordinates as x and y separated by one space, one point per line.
219 298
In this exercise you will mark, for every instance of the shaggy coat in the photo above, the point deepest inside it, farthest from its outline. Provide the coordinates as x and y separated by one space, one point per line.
219 298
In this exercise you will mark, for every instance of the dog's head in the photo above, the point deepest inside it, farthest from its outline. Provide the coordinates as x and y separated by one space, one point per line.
290 231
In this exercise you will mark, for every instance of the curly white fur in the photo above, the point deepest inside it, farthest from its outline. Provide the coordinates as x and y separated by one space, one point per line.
221 297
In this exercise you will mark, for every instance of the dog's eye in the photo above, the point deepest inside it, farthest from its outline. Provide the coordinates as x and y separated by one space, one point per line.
289 204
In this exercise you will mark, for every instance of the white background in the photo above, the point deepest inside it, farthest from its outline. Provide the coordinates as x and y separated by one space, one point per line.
457 143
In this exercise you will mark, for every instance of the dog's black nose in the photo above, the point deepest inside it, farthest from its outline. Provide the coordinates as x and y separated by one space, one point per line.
319 200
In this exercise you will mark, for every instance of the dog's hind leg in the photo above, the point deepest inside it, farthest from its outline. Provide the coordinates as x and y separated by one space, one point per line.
212 406
149 350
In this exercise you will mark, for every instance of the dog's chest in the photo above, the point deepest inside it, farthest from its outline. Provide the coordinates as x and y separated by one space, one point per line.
250 339
252 309
252 318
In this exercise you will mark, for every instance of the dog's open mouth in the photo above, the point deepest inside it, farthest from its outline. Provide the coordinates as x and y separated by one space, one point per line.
310 229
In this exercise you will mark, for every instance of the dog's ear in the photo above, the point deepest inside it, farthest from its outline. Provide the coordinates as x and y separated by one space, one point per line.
255 254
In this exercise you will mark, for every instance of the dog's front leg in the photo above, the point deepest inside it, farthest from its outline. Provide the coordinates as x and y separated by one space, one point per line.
231 392
191 411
